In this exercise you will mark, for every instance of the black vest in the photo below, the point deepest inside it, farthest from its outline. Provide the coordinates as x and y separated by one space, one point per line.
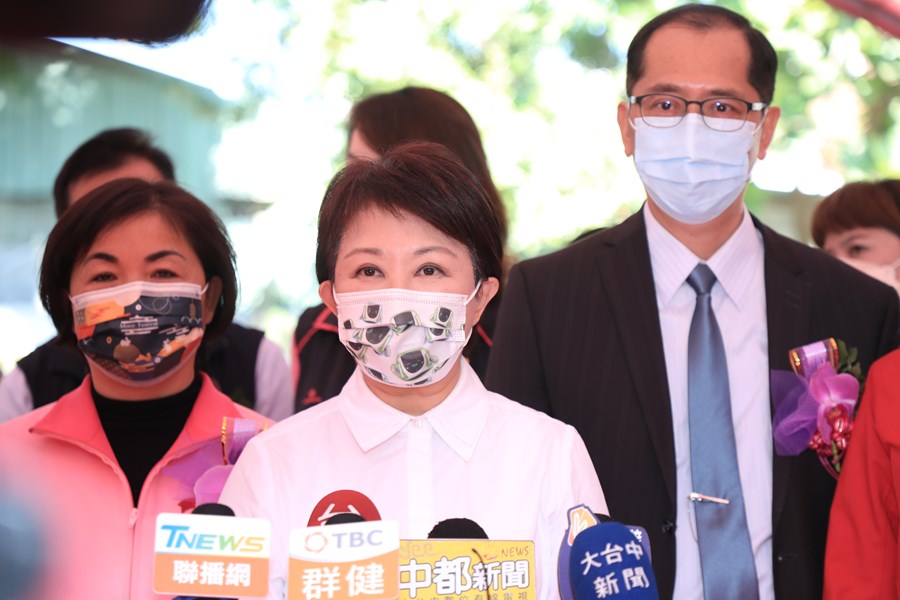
53 369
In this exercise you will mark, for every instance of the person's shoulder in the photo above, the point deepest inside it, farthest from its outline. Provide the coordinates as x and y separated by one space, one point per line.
524 418
242 334
21 426
586 249
819 267
888 366
249 413
305 425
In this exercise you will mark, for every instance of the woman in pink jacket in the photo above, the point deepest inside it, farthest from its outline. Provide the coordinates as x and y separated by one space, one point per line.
138 275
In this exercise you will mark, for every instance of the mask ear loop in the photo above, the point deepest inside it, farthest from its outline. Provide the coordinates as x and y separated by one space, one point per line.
474 292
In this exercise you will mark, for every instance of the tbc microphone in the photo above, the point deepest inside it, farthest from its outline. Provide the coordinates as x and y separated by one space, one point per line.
343 518
608 561
458 529
343 502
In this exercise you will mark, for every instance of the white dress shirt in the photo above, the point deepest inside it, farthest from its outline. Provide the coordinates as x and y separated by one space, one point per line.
512 470
739 302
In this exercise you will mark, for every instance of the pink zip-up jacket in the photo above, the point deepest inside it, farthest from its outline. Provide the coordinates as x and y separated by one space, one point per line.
57 463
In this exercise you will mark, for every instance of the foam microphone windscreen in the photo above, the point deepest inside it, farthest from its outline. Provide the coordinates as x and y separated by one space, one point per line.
458 529
342 518
213 508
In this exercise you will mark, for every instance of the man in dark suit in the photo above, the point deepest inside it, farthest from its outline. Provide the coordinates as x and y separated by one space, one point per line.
599 334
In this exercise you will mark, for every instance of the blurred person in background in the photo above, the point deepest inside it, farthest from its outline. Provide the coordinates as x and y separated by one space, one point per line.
860 225
321 365
244 364
139 277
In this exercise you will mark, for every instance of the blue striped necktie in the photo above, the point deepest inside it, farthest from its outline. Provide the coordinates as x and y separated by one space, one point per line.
726 555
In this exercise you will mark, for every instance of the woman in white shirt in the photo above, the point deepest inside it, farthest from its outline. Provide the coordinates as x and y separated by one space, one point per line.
409 254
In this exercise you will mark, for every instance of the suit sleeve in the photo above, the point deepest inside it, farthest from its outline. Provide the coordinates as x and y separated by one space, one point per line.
861 553
891 331
515 368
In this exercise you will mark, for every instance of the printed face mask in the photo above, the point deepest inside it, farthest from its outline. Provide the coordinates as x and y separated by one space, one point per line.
402 337
692 172
140 333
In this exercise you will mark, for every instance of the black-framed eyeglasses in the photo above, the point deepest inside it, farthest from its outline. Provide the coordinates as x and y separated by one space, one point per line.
721 114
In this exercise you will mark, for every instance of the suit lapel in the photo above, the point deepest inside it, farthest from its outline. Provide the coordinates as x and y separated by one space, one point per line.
628 278
788 309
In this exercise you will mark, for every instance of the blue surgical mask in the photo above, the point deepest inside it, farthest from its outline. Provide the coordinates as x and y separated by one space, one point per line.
691 171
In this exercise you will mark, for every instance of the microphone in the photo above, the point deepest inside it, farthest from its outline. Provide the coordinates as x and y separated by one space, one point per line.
344 518
210 508
458 529
608 561
213 508
343 502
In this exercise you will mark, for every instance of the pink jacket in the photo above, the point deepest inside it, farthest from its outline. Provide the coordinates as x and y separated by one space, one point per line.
57 461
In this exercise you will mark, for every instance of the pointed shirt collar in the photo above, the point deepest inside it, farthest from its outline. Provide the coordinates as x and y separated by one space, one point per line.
672 261
459 420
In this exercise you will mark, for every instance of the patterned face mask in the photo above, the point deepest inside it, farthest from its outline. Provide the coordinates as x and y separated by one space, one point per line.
140 333
402 337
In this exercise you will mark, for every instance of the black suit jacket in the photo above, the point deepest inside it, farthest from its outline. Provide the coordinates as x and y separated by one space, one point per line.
578 337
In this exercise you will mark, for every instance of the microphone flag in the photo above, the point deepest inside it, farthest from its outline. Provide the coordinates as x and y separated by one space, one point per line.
211 556
608 561
349 560
467 568
580 518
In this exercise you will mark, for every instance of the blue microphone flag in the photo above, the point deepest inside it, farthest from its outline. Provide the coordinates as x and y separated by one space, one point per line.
608 561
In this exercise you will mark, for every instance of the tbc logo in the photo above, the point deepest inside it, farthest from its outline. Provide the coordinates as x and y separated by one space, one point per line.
317 541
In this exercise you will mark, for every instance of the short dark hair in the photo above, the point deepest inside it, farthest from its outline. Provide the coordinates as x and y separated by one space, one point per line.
428 115
763 59
114 203
859 204
421 179
107 150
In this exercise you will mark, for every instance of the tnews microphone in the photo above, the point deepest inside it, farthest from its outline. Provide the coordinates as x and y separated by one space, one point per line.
213 508
458 529
210 508
608 561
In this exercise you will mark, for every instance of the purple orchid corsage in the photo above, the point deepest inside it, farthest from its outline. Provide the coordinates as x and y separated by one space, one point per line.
205 469
815 402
